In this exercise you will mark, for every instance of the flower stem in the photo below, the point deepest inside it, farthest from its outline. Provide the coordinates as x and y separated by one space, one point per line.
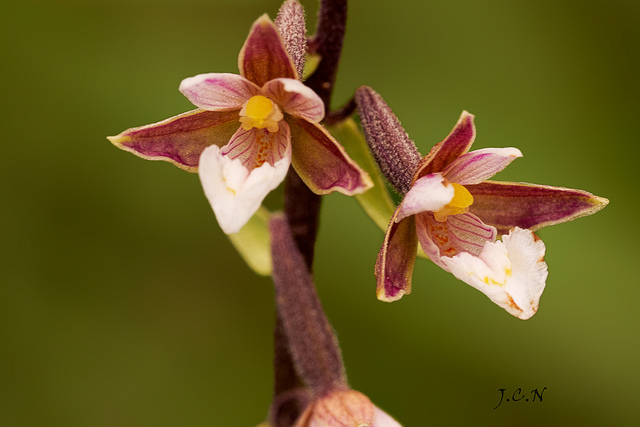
312 343
296 355
327 42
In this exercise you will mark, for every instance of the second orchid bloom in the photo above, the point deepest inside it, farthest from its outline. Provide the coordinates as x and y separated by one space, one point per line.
456 214
247 131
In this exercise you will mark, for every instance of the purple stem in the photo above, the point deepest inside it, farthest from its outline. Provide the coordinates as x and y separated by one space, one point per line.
312 343
302 210
327 42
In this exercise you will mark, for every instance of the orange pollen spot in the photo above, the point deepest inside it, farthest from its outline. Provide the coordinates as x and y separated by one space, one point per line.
264 147
459 204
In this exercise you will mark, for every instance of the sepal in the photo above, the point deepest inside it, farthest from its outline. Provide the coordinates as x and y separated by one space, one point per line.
396 259
180 139
264 56
323 163
516 204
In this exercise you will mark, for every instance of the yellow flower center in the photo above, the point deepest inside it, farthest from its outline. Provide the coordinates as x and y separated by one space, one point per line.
460 203
260 112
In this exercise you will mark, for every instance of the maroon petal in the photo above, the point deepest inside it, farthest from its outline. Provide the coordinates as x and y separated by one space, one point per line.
394 266
457 143
322 162
179 139
263 56
509 204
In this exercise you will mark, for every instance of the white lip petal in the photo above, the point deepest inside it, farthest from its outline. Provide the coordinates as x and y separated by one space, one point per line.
234 192
429 193
511 272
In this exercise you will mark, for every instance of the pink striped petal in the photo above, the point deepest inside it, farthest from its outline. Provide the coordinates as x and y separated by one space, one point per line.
480 165
429 193
218 91
256 146
264 56
295 98
457 143
512 273
394 265
180 139
511 204
458 234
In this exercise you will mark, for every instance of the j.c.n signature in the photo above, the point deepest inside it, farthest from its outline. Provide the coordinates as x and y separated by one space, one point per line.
518 396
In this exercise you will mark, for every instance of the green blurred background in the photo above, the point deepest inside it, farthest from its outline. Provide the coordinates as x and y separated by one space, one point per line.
123 304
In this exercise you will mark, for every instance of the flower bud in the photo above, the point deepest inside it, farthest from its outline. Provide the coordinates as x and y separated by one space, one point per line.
395 153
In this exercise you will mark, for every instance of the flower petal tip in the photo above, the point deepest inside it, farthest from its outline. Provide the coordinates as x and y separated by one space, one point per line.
390 294
599 202
466 116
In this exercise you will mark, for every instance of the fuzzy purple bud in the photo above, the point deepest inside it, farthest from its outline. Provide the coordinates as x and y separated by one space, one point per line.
291 24
312 343
395 153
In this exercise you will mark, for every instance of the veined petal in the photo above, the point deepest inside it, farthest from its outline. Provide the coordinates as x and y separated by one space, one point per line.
234 192
394 265
480 165
180 139
509 204
264 56
429 193
256 146
295 98
458 234
322 162
457 143
218 91
512 273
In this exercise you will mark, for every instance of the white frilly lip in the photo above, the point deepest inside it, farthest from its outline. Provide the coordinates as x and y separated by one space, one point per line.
511 272
429 193
234 192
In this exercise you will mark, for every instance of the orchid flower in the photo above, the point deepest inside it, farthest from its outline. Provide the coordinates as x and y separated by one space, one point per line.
247 130
456 214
